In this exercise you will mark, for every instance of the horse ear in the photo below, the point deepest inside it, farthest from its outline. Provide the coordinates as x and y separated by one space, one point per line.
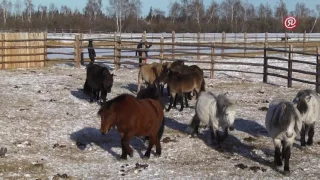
283 108
308 98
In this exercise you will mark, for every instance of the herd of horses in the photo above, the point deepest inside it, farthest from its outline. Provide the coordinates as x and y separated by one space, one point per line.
143 115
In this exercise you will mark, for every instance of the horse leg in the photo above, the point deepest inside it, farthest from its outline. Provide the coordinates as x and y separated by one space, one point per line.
195 124
171 101
161 89
277 152
181 101
158 147
215 135
151 143
287 154
186 99
175 101
124 151
310 134
103 95
225 135
303 135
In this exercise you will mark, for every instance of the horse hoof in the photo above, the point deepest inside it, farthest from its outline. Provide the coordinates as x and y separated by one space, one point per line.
157 155
181 110
145 157
131 155
286 173
167 110
122 158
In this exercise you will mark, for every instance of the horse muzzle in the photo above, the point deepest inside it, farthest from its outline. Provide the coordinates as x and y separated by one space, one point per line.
103 132
231 128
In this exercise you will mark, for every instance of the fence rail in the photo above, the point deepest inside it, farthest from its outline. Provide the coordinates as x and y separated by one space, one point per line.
116 50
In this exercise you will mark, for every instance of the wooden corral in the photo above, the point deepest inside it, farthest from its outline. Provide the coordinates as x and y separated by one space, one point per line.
32 50
22 50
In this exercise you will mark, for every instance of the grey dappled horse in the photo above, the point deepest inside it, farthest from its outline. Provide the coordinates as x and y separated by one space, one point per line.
283 123
308 104
214 111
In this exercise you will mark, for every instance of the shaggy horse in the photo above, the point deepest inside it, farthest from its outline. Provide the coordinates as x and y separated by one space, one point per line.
283 123
183 83
179 66
129 115
308 104
150 74
98 79
214 111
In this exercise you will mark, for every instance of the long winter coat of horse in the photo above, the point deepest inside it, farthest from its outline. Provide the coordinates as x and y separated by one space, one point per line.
308 104
214 111
283 123
98 79
150 74
129 115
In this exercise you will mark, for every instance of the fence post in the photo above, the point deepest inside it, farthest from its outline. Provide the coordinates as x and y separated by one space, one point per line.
116 65
318 71
304 41
212 60
45 35
161 49
198 46
266 37
3 58
265 63
245 44
285 43
223 40
173 42
76 51
290 67
144 39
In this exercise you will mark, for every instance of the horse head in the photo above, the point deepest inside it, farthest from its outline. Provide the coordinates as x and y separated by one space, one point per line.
107 80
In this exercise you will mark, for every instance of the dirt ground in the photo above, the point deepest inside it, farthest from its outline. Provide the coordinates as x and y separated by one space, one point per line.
51 132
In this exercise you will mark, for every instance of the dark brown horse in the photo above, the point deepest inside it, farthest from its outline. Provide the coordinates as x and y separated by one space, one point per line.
180 84
129 115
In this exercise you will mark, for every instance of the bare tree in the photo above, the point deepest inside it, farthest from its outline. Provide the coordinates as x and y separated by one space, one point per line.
212 11
197 8
317 16
93 9
42 10
5 8
29 9
17 10
174 9
121 9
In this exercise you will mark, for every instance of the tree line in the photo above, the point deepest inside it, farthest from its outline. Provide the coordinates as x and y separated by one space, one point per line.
231 16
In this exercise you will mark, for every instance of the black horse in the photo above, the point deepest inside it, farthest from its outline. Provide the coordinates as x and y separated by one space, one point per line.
99 79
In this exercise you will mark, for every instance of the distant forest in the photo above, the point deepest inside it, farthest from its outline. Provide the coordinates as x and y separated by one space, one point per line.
231 16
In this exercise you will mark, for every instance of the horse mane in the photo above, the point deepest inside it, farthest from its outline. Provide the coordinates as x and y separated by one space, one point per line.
222 103
283 118
109 103
302 103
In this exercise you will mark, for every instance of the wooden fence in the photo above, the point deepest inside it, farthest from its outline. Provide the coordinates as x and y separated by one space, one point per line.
22 50
120 51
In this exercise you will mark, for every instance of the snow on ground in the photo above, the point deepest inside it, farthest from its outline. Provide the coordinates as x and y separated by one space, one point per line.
51 130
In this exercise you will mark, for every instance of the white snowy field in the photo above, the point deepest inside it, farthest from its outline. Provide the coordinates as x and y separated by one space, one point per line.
51 130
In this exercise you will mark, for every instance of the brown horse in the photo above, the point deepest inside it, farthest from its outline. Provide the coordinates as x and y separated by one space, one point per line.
129 115
150 74
184 83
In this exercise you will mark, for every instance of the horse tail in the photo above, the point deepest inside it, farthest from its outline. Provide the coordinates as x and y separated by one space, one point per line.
161 129
286 117
203 86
